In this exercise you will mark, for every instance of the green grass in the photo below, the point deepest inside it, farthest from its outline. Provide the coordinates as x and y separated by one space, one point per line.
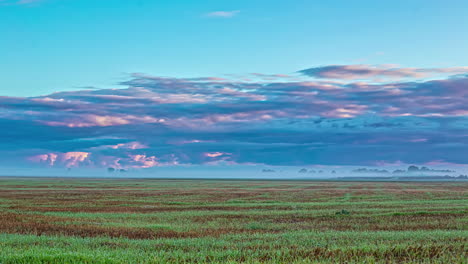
209 221
305 247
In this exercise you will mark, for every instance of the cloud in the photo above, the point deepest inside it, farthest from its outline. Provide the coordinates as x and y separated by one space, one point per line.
130 145
91 120
215 154
68 159
352 72
19 2
142 161
223 14
160 121
23 2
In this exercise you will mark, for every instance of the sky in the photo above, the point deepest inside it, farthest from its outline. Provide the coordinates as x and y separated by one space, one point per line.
148 84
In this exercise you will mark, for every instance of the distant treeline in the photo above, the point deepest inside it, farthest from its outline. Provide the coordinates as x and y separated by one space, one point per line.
411 169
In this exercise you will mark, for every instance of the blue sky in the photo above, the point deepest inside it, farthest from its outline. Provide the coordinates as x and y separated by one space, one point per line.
55 45
144 84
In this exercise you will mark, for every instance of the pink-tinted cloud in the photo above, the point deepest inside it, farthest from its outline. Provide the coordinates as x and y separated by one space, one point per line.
73 159
143 161
216 154
192 141
87 159
68 159
360 71
91 120
444 163
130 145
346 111
48 159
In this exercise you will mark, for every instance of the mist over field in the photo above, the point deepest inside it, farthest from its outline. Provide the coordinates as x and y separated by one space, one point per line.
253 172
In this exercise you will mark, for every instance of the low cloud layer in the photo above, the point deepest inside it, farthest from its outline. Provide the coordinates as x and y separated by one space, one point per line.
272 119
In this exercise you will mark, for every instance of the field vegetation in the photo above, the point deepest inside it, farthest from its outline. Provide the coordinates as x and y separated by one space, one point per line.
46 220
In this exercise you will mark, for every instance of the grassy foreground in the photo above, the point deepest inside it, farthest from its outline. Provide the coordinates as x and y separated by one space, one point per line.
199 221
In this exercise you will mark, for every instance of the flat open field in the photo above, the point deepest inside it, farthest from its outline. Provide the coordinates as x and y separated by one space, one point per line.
220 221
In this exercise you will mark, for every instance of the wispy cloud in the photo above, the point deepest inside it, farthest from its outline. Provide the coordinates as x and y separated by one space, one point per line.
362 71
19 2
223 14
25 2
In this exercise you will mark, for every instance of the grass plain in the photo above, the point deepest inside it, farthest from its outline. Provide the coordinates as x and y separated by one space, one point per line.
57 220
